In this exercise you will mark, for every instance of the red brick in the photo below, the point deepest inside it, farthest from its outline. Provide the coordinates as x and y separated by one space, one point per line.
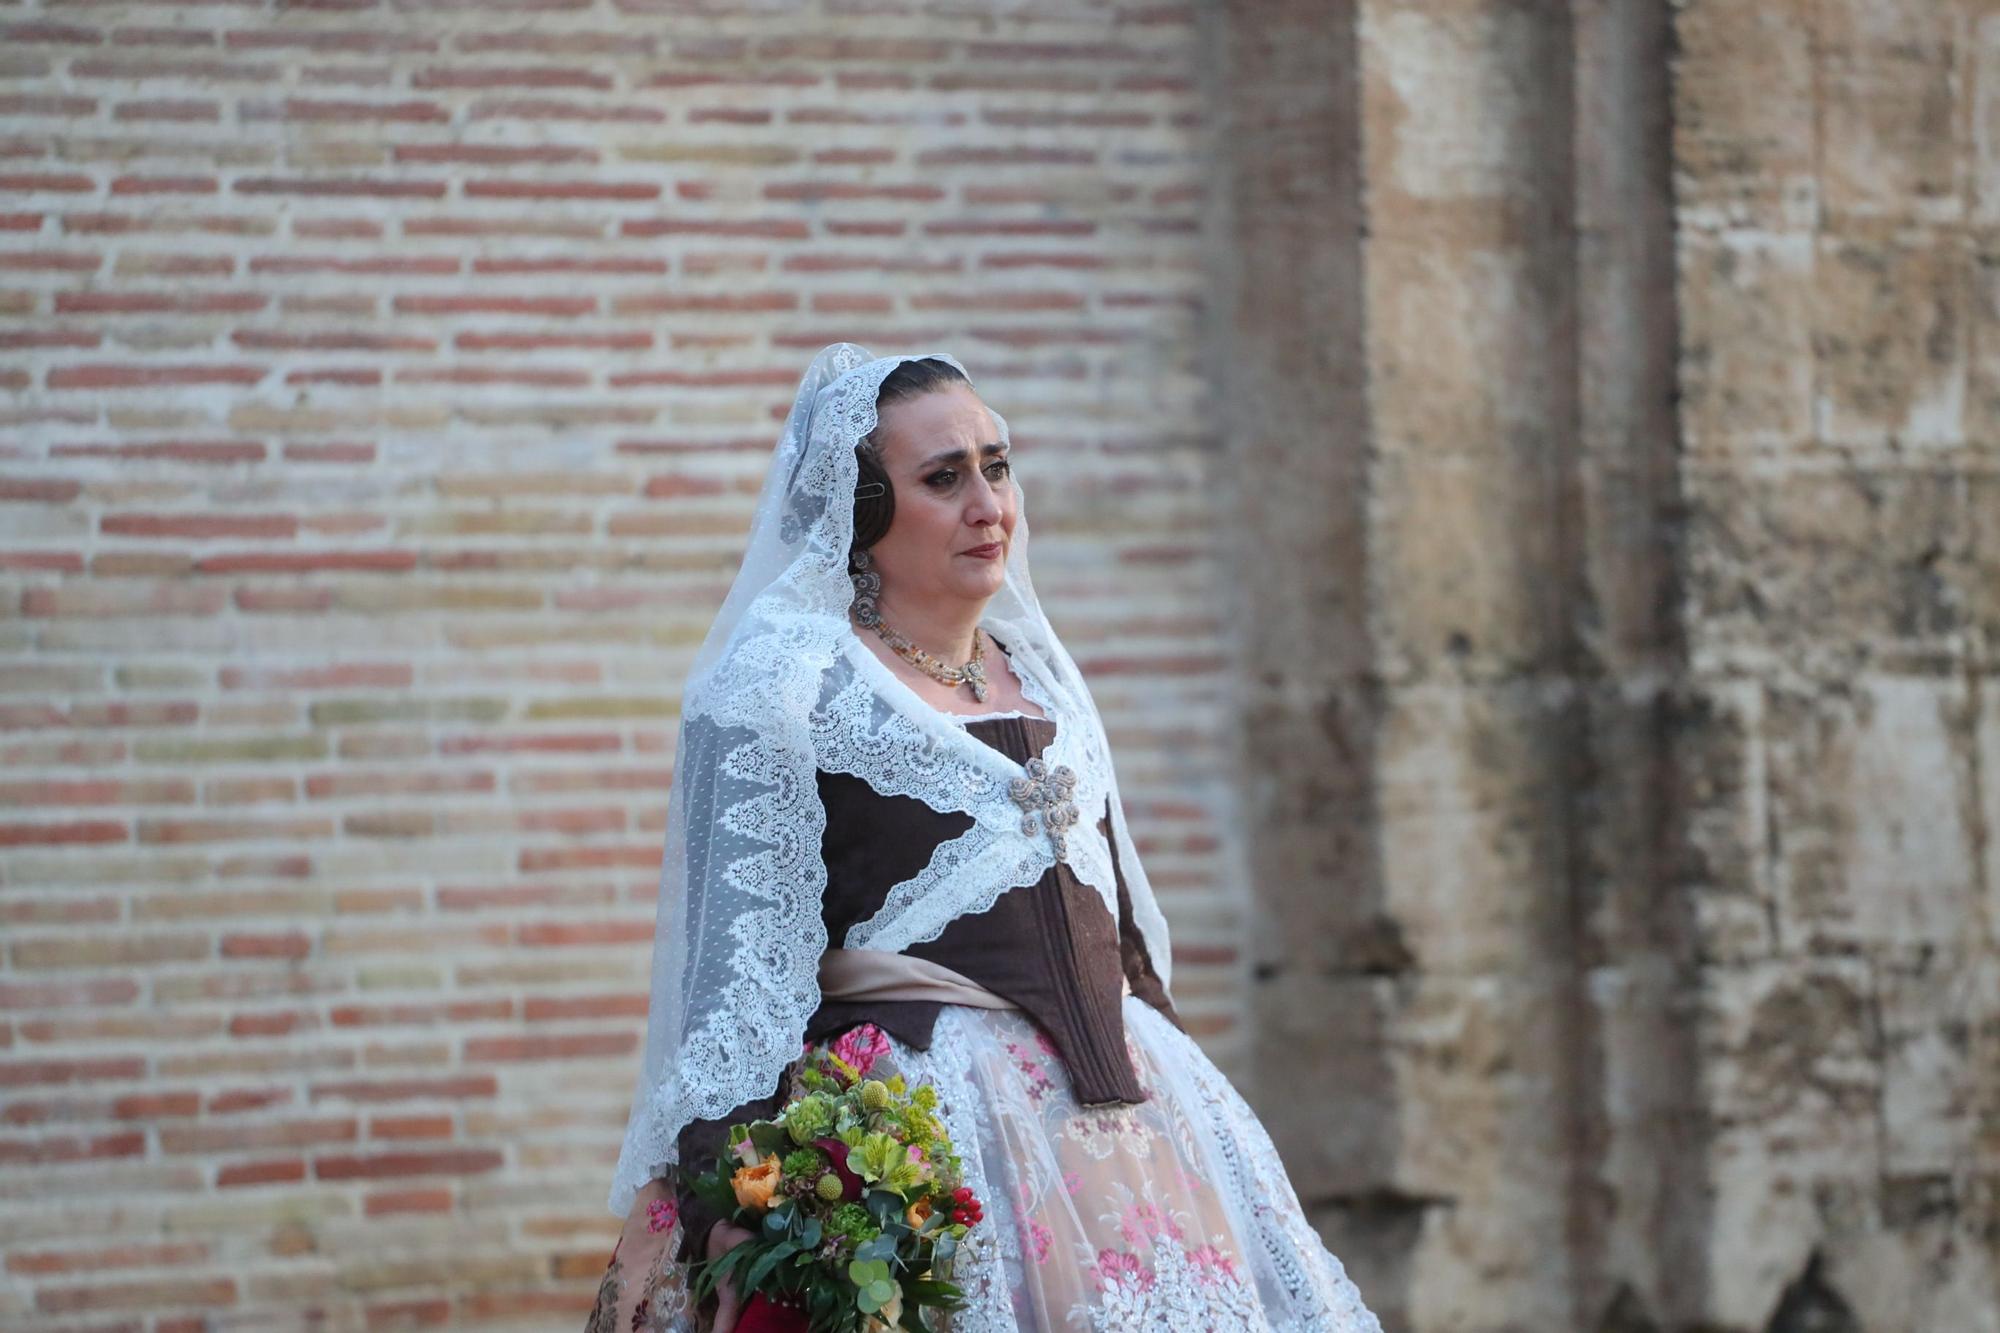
138 376
43 1151
398 1165
390 1203
244 945
247 1099
152 1294
80 1260
36 1073
564 934
563 1008
553 1046
288 1171
67 994
410 1089
411 1127
423 1313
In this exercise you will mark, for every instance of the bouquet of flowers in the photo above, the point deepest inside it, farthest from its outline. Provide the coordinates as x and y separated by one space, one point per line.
854 1199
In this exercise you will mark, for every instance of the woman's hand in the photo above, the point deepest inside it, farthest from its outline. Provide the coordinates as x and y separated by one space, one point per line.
722 1238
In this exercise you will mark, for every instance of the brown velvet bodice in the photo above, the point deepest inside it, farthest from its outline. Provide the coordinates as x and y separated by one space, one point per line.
1051 947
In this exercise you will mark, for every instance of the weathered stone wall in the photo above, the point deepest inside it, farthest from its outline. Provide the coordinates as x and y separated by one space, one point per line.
1619 669
1836 186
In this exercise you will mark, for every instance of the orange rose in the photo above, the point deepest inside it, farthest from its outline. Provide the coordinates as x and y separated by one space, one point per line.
917 1212
754 1185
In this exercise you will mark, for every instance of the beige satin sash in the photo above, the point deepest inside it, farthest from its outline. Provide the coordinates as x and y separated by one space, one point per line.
876 974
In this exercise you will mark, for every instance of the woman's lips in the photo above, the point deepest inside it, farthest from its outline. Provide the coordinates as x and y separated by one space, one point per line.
986 552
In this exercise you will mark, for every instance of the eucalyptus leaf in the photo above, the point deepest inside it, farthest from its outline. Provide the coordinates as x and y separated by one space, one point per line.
881 1248
770 1259
884 1207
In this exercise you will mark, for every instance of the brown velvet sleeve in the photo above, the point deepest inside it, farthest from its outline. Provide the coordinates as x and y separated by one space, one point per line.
700 1144
1132 952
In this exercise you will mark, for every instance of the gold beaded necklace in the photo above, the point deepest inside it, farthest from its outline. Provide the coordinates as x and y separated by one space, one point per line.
973 673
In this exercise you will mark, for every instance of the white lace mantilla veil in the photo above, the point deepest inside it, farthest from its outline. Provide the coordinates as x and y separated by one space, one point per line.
782 687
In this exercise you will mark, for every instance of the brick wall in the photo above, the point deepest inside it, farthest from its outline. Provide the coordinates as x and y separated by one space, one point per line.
387 387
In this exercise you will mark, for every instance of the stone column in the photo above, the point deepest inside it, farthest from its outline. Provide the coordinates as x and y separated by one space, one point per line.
1448 356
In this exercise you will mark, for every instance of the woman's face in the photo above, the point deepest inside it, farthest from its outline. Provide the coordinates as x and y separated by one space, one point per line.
955 499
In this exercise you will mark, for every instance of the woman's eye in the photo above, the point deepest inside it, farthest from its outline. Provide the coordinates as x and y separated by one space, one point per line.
948 476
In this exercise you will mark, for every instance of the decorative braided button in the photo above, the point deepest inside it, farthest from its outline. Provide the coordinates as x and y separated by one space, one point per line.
1047 793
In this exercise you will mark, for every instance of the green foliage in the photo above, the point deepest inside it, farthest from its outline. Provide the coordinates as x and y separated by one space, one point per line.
711 1188
808 1118
873 1289
768 1139
804 1162
852 1221
843 1262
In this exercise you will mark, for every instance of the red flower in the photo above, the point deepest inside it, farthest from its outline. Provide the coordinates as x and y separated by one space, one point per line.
966 1209
836 1155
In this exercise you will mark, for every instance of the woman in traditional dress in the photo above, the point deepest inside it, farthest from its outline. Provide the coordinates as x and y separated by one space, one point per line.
894 830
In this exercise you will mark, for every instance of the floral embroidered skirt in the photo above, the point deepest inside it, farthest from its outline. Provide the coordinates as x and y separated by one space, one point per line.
1171 1215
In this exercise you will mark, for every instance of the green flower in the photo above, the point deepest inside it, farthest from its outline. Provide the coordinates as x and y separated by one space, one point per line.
829 1188
804 1162
807 1119
875 1095
885 1161
852 1221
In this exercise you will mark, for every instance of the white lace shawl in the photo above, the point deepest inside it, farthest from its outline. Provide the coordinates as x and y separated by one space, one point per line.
783 688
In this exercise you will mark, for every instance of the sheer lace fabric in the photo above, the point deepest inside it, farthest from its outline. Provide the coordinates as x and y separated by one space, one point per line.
1167 1216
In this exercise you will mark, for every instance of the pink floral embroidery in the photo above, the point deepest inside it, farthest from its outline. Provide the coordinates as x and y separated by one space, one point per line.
1036 1240
1072 1182
1145 1222
661 1214
1113 1269
860 1047
1048 1047
1212 1266
1039 1085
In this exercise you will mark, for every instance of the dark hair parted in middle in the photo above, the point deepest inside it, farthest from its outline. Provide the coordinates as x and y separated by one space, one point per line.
873 515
